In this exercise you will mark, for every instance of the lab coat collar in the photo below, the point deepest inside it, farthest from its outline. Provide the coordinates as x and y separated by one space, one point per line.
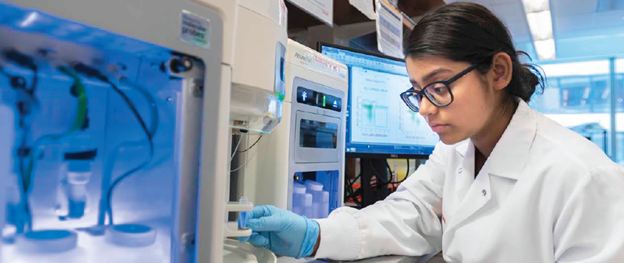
510 153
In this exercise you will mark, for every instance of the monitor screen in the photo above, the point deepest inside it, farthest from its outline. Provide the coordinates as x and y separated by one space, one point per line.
378 122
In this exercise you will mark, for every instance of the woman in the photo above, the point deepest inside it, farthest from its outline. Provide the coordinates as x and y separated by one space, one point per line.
506 184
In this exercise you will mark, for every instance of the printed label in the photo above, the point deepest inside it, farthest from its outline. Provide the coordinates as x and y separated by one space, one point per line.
194 29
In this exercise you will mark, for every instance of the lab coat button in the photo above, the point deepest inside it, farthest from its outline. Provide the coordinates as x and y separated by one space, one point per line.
460 170
484 192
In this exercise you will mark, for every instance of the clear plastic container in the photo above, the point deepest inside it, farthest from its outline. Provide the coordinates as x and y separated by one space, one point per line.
316 189
299 192
46 246
307 209
324 210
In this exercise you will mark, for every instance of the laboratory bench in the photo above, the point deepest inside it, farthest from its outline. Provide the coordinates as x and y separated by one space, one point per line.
384 259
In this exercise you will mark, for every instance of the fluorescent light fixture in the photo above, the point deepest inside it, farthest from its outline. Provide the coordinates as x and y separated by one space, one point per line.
545 49
540 25
532 6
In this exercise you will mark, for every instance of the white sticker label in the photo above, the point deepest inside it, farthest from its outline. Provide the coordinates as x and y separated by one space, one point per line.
366 7
322 9
194 29
319 63
389 29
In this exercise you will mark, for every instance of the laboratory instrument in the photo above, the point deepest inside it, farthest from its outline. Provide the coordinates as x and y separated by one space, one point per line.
254 41
302 160
111 100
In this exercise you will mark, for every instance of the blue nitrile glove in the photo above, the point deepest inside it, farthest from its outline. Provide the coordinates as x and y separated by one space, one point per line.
283 232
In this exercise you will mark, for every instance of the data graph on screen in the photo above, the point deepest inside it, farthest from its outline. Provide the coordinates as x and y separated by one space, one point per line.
373 115
378 120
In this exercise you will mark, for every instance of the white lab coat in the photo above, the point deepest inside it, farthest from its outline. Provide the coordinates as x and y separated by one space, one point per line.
545 194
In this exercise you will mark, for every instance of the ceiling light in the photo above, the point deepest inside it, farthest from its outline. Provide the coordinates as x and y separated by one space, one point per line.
531 6
540 25
545 49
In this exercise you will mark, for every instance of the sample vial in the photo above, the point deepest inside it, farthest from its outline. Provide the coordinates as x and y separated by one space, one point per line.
243 216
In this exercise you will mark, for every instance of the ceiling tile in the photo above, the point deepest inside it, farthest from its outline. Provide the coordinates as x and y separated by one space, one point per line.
609 18
510 12
573 22
519 31
570 7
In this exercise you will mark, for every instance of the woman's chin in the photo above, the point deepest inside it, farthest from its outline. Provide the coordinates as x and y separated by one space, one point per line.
450 139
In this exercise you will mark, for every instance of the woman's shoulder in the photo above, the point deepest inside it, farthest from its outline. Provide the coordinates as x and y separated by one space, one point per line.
562 146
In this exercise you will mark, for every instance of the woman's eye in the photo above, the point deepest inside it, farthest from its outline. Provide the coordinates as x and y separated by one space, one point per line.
440 89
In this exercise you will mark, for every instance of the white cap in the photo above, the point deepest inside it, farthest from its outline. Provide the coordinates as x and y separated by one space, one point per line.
308 200
314 186
299 188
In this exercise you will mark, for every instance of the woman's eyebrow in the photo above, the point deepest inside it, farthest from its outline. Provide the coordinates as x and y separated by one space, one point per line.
429 76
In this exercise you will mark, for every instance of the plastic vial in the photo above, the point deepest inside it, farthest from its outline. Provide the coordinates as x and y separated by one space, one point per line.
72 199
243 216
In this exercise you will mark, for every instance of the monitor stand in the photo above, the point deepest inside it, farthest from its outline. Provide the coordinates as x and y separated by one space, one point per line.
371 194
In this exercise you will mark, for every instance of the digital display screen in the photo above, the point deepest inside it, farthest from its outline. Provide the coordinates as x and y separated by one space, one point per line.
316 134
378 122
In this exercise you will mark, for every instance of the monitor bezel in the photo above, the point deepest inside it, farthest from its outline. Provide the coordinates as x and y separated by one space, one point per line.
319 47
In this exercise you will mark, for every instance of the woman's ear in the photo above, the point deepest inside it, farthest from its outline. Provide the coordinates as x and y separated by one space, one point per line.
501 71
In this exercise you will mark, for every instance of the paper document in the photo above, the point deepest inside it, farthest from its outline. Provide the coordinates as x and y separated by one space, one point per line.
322 9
366 7
389 29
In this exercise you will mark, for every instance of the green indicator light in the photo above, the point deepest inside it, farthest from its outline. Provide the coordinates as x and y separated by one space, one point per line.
324 100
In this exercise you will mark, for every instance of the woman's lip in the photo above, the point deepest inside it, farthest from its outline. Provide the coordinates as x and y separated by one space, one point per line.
439 127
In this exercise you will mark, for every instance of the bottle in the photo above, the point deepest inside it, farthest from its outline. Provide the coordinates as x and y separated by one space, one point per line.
298 198
307 209
316 189
324 209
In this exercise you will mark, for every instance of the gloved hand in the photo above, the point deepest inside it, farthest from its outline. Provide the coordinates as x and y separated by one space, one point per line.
283 232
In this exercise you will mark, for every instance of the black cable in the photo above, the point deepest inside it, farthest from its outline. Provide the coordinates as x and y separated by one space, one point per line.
135 112
254 144
94 73
352 193
408 169
407 174
28 62
370 163
24 109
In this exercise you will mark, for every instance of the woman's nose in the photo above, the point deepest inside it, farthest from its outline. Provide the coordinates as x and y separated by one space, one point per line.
426 107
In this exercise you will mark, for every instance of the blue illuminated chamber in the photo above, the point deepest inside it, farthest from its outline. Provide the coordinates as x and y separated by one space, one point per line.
66 197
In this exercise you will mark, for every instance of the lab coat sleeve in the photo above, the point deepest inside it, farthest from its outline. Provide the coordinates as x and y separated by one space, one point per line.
590 227
405 223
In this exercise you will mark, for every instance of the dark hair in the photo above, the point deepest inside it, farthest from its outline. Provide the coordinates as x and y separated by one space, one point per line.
469 32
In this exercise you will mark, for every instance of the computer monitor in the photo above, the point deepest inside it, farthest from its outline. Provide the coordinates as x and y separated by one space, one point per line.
379 124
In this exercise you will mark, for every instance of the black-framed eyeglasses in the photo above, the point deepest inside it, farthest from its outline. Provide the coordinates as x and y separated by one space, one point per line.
438 93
